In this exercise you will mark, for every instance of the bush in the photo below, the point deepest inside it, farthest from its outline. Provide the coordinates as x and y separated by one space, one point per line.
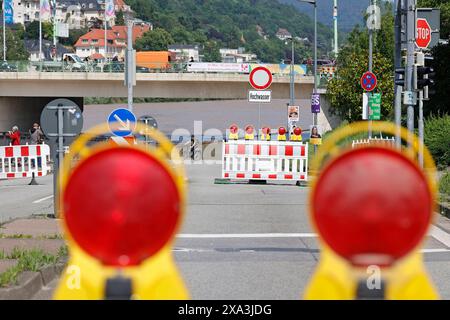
437 139
444 184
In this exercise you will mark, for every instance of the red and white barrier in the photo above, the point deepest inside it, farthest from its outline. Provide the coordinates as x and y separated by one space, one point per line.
23 161
265 160
390 142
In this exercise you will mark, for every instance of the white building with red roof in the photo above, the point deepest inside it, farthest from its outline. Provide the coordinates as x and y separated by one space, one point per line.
93 42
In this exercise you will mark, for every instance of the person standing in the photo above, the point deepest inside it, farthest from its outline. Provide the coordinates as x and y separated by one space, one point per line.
14 135
37 137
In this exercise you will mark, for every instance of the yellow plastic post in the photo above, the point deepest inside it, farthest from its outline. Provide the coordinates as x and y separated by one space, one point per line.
157 277
334 277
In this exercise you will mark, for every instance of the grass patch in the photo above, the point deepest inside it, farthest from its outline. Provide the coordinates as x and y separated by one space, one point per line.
28 260
15 236
444 185
50 237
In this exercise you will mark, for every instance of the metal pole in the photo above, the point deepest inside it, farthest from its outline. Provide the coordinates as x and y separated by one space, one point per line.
335 17
58 160
54 28
315 57
40 38
292 74
106 41
411 37
259 119
130 65
370 70
398 64
398 115
4 31
421 128
315 115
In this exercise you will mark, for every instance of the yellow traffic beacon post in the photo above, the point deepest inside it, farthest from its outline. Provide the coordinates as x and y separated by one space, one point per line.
121 208
372 207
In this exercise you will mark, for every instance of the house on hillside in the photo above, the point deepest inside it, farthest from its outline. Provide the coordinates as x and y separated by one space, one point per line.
261 32
77 13
283 34
32 46
93 42
185 52
237 56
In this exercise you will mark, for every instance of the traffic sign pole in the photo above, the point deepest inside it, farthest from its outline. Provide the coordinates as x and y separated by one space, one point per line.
130 69
61 122
411 38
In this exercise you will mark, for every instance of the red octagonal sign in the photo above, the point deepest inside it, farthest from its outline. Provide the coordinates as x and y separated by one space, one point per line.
423 33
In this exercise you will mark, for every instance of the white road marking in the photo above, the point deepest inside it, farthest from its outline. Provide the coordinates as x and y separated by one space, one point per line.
434 250
43 199
440 235
244 235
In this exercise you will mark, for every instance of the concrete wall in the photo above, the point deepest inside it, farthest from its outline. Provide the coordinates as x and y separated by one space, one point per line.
24 111
325 119
151 85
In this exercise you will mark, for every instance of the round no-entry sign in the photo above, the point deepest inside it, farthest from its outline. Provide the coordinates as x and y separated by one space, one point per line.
260 78
369 81
423 34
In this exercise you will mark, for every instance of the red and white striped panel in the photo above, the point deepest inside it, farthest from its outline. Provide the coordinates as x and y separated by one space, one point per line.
22 161
266 149
121 141
265 160
264 176
22 151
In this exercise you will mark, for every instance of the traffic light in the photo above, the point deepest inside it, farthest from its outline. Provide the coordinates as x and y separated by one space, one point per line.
400 81
423 77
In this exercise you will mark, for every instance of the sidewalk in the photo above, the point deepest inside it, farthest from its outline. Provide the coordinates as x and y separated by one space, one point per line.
32 252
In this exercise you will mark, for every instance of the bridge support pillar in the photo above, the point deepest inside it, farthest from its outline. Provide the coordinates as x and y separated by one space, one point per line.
24 111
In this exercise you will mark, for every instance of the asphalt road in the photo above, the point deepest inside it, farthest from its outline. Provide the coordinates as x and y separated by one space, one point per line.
237 241
217 115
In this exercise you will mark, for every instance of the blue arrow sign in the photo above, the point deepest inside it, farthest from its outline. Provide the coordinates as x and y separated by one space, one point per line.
122 122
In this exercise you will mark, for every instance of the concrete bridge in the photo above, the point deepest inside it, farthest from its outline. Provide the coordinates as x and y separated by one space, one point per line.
24 94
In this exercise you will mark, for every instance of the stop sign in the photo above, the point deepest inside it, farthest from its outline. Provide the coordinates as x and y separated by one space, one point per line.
423 34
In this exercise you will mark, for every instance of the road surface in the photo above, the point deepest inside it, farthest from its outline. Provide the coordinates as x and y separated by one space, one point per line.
237 241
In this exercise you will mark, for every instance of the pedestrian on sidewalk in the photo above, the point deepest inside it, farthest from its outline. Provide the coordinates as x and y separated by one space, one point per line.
36 134
14 135
36 137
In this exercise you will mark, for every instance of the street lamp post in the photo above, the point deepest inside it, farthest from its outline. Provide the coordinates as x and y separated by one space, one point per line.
292 95
314 3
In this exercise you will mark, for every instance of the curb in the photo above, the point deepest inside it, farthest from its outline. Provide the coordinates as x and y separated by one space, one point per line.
31 283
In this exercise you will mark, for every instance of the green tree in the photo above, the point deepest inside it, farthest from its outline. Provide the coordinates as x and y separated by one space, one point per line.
15 48
344 90
211 52
444 6
155 40
439 102
120 20
74 35
233 24
32 30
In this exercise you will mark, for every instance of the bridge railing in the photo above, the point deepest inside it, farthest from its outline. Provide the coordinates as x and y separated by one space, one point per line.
143 67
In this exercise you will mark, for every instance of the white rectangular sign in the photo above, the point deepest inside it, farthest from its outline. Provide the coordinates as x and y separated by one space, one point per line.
264 96
365 106
62 30
217 67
